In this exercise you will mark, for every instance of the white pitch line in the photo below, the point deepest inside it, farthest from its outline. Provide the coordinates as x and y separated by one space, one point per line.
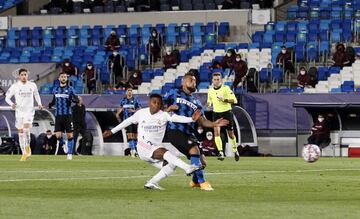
145 176
67 171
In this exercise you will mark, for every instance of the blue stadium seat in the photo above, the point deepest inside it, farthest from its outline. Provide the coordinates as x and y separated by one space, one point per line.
323 73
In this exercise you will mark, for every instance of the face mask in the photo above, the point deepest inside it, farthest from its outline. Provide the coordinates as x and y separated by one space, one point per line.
238 60
168 53
67 64
135 75
200 130
209 136
283 51
115 53
302 72
228 54
89 67
48 136
154 34
320 119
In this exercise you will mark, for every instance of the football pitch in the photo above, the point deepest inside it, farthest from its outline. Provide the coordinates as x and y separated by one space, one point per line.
112 187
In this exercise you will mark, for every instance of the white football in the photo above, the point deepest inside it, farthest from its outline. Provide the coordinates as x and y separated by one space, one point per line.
311 153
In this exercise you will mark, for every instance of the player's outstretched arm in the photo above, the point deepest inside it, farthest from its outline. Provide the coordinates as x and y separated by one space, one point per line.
206 123
172 108
131 120
180 119
107 133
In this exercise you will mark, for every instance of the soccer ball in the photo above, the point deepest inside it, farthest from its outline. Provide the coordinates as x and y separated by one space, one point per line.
311 153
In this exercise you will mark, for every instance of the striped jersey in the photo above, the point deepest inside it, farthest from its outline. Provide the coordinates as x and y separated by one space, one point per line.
127 104
187 105
63 97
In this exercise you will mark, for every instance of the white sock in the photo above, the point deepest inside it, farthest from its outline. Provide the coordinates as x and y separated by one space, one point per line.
27 136
22 143
172 159
164 172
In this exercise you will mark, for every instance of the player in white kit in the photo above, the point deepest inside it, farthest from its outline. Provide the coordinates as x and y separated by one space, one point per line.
152 123
24 92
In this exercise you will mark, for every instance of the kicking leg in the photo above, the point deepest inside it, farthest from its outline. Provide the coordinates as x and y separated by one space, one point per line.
166 170
163 154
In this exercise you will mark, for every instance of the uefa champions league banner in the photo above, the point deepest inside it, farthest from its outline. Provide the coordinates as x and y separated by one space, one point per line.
9 72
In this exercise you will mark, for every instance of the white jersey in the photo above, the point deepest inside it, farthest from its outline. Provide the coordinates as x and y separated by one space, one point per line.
24 96
151 127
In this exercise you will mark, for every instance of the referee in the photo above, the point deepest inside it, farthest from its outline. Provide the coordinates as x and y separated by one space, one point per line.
221 97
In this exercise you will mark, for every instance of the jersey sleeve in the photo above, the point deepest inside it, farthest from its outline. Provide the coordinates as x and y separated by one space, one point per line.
131 120
172 117
9 94
37 95
199 107
230 95
121 102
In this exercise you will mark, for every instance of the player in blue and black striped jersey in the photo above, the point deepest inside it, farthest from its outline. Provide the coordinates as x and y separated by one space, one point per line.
182 136
63 96
128 106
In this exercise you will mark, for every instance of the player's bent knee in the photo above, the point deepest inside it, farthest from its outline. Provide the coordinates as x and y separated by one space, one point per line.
194 150
159 153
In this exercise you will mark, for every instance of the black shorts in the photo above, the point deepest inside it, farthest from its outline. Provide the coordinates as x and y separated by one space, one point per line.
64 124
131 129
182 141
228 115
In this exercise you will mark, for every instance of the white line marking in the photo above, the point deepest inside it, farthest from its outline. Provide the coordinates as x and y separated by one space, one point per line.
146 176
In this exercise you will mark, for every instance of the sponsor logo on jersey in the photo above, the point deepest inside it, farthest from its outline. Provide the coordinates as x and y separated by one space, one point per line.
62 95
186 102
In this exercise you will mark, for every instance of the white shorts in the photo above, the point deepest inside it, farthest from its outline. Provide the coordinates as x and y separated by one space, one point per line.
146 150
22 118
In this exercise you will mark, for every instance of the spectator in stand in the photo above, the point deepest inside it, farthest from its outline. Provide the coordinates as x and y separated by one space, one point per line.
303 78
228 60
340 57
154 45
240 69
284 61
135 80
112 43
49 144
170 59
215 65
115 66
90 77
69 68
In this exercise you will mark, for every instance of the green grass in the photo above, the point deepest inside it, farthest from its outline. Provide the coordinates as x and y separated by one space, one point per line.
112 187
